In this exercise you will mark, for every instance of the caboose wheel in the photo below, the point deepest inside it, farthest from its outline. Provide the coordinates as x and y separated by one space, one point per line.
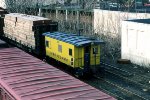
78 73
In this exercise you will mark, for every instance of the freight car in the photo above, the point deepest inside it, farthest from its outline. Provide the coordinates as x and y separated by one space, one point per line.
2 13
25 31
79 52
24 77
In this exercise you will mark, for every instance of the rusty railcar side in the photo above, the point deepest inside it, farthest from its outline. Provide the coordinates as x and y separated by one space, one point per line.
24 77
5 95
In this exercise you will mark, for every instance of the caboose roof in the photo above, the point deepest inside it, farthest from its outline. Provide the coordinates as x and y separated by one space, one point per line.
73 39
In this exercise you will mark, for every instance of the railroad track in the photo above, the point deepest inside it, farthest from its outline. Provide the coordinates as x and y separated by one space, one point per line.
114 89
125 82
143 80
118 70
128 75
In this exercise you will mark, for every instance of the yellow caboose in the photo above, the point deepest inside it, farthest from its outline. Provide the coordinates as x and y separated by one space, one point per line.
79 52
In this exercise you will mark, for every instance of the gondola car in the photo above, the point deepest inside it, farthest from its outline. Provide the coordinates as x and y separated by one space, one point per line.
79 52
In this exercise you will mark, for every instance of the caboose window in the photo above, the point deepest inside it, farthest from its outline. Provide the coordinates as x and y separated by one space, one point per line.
70 52
47 44
60 48
95 50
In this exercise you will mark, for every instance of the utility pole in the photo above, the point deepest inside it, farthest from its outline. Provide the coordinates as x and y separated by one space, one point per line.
135 4
66 15
39 8
78 18
78 22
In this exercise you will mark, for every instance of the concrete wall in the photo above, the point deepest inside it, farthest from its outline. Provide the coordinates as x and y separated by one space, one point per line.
33 3
47 2
135 42
110 21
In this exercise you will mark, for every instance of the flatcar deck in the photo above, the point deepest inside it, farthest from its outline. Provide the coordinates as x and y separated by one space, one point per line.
24 77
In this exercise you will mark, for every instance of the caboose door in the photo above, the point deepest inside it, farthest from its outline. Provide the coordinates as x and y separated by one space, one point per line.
86 57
